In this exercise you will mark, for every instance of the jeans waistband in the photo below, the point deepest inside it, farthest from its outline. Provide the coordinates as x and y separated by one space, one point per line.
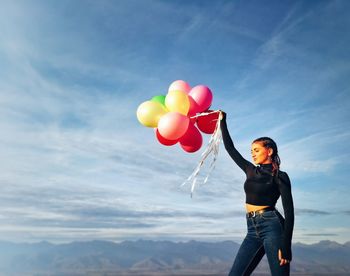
252 214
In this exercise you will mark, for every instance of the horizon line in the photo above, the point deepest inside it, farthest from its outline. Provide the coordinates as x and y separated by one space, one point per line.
150 240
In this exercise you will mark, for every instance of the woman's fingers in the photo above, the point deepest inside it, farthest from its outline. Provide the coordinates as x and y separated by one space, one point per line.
280 257
222 115
282 261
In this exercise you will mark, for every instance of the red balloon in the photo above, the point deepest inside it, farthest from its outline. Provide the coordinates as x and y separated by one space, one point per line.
207 123
194 109
164 141
192 140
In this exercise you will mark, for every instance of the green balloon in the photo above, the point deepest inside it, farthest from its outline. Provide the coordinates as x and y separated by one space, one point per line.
159 99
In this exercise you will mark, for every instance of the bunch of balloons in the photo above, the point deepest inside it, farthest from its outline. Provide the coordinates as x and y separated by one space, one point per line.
178 116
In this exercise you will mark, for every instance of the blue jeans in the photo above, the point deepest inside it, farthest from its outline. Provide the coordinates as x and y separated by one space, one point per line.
264 236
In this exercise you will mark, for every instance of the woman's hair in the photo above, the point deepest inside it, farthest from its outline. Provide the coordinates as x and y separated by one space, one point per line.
271 144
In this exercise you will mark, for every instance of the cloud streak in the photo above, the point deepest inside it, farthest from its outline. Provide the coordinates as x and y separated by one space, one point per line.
77 165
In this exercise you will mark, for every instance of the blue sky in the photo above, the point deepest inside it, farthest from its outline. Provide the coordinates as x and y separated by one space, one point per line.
77 165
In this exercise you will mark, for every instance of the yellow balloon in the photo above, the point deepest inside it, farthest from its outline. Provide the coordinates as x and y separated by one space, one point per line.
149 112
177 101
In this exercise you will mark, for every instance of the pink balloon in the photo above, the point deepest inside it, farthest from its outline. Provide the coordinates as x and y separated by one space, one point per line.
180 85
202 95
192 140
173 125
164 141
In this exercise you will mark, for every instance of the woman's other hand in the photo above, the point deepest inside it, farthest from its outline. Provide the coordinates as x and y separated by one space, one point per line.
282 261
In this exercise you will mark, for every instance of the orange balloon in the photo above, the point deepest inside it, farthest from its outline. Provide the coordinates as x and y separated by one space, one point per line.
173 125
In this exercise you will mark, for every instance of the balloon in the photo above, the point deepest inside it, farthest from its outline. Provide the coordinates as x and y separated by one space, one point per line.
180 85
164 141
148 113
194 109
202 96
177 101
159 99
207 123
192 140
173 125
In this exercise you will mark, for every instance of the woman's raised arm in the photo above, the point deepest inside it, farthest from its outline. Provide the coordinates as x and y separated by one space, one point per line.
229 146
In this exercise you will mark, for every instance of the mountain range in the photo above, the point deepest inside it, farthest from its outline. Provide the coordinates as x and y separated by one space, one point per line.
146 257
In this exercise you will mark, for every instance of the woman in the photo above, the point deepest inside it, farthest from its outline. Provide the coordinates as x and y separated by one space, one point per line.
268 231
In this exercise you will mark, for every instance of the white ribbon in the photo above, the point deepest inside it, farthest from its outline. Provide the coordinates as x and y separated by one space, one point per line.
212 148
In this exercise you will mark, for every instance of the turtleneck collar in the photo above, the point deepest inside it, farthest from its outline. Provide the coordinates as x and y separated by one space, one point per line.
266 166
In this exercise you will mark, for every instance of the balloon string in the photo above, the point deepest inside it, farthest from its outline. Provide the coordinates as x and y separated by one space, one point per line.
212 148
204 114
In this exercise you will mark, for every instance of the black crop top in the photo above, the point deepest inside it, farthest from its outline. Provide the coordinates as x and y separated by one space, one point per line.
263 188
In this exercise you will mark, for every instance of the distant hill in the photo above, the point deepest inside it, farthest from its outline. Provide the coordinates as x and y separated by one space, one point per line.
146 257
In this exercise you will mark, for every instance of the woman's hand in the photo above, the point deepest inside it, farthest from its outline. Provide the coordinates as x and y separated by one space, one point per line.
222 115
282 261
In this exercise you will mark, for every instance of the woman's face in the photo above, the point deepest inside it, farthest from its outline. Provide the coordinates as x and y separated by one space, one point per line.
260 154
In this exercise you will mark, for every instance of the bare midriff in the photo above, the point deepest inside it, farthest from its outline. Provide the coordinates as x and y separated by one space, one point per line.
252 208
